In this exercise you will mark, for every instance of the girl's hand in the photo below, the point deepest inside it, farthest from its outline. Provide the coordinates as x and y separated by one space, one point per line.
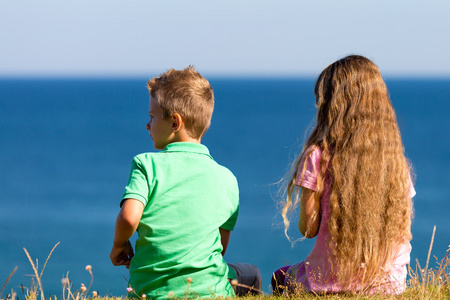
122 255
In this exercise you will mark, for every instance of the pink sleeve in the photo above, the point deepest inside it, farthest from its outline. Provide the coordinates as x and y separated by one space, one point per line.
308 177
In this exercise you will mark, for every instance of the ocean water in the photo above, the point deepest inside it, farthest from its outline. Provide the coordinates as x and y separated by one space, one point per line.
66 147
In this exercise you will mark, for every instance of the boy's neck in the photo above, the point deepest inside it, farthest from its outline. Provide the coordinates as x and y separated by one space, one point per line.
182 137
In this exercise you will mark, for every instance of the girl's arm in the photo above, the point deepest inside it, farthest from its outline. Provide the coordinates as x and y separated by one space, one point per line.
126 224
309 220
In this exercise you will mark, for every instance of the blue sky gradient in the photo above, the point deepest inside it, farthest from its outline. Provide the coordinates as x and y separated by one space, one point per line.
221 38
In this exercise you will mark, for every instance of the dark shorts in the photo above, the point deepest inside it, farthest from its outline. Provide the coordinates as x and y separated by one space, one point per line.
248 275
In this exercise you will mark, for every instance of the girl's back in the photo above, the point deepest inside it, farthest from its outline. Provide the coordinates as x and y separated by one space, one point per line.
362 191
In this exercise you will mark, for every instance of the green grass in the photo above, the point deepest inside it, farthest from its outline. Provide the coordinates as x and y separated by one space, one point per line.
424 283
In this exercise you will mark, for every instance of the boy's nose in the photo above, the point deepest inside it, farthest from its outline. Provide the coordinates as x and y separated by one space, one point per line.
147 126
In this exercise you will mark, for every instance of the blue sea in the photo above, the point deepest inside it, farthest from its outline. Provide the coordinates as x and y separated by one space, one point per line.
66 146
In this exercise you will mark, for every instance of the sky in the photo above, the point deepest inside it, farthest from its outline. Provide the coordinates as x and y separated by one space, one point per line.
221 38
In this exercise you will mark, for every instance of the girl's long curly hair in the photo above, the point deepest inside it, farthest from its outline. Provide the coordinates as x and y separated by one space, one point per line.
370 206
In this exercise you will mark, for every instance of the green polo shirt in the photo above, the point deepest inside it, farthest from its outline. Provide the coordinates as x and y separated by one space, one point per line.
187 197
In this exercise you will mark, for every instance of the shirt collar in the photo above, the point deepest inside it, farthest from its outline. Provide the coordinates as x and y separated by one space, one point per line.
187 147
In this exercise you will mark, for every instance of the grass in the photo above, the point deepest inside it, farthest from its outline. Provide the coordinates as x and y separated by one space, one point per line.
424 283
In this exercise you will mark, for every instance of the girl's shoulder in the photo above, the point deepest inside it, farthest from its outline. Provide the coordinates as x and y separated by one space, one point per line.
309 165
313 152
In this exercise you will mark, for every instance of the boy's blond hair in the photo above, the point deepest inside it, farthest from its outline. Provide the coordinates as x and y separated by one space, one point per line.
187 93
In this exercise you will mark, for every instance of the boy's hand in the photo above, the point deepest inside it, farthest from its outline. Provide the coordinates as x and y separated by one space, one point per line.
122 255
126 224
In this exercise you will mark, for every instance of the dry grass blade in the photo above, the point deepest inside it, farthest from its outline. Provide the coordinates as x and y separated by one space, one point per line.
38 278
431 246
7 280
48 257
35 269
425 271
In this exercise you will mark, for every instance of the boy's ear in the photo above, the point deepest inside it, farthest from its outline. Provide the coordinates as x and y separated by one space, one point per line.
177 122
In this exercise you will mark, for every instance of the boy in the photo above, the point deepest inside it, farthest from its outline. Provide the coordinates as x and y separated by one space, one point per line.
180 201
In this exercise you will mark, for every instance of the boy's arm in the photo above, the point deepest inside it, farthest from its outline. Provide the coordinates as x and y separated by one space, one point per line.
126 224
224 239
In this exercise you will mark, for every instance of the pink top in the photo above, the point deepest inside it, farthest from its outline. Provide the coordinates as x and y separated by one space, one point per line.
314 272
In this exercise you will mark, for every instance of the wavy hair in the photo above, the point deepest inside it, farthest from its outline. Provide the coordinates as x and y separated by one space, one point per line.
357 130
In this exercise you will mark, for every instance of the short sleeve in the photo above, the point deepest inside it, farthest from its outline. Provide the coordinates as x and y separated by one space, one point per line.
234 202
138 184
308 169
231 222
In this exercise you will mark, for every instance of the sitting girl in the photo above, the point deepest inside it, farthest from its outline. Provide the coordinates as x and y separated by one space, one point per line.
355 189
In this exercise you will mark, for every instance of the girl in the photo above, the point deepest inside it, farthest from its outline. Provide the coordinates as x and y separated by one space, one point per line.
356 192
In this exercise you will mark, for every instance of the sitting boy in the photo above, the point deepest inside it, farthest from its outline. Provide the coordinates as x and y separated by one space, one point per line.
180 201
